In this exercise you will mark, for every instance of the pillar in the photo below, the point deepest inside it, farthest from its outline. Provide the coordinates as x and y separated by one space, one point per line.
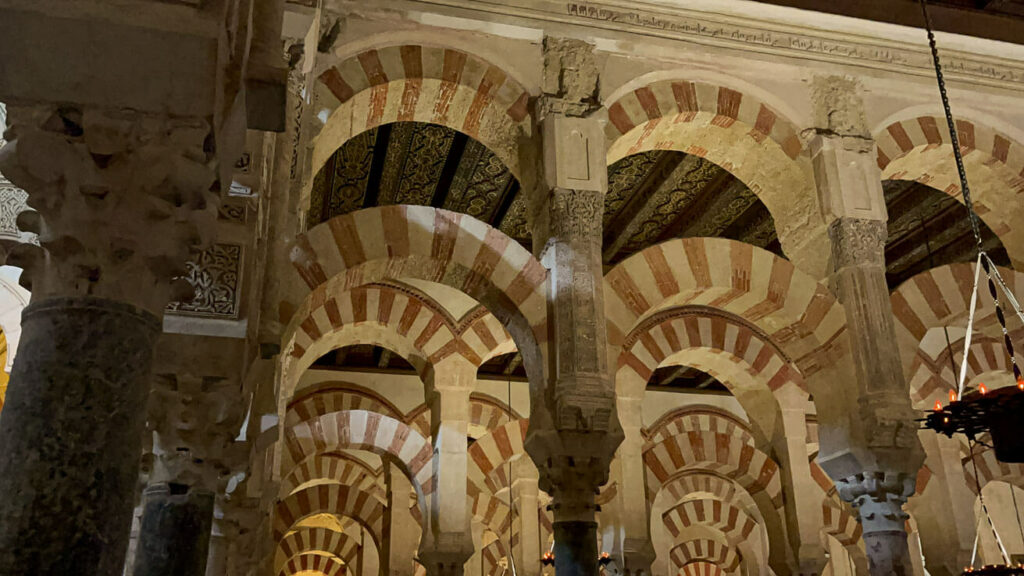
400 527
217 559
194 423
121 198
525 499
573 430
803 500
627 529
869 443
447 541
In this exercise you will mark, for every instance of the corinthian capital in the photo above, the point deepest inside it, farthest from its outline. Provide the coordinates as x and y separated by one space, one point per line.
195 421
121 200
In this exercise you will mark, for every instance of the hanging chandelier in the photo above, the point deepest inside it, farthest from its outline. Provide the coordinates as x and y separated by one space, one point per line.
995 412
981 411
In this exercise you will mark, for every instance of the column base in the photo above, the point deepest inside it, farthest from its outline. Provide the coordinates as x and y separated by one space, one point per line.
71 435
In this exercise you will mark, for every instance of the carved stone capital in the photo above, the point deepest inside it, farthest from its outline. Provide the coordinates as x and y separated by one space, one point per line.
857 242
576 214
879 498
194 422
122 199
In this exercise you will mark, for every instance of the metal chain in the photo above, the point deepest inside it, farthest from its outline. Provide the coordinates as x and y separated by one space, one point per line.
965 190
954 139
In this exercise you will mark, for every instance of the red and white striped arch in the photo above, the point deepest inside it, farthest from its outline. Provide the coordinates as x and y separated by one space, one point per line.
490 452
413 83
932 377
697 418
723 454
362 430
990 469
683 486
709 551
738 132
489 413
920 149
329 499
735 524
336 468
393 242
941 297
323 540
660 336
797 313
313 563
335 396
701 569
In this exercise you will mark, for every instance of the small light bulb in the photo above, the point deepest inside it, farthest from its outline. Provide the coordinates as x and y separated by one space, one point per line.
982 389
938 406
952 395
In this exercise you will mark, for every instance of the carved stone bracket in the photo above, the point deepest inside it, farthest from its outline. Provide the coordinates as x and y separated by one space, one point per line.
122 200
879 498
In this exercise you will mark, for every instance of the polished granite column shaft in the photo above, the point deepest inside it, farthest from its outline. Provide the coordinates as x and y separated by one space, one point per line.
71 435
174 538
120 200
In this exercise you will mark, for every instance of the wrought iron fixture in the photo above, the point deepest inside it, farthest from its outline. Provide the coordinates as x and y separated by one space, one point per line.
980 411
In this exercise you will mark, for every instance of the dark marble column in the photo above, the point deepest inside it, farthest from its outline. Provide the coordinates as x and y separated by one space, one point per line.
118 199
71 435
194 420
175 534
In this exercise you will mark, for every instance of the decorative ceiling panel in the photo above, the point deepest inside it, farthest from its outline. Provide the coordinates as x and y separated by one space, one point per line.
929 228
215 274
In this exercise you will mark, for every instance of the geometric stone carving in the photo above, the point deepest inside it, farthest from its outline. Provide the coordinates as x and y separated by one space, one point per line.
214 275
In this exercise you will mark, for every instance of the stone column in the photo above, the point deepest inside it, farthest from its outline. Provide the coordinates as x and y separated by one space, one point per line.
447 541
121 200
869 443
217 559
629 543
400 527
803 503
574 430
525 496
194 422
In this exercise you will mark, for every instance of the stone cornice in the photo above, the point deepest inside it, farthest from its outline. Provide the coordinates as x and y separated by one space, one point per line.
754 35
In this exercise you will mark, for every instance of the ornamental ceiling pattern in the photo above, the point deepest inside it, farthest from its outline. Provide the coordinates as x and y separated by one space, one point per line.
652 197
929 228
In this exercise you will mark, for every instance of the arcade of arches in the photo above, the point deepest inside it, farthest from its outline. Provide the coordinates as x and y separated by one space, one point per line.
447 287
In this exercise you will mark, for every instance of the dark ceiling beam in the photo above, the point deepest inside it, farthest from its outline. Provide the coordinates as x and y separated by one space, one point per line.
380 154
451 166
945 17
507 197
697 208
634 209
664 177
714 199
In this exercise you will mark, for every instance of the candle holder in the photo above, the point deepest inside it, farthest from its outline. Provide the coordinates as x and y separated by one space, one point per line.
998 412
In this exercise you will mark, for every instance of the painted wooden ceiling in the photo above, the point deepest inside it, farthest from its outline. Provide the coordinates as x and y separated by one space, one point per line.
652 197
